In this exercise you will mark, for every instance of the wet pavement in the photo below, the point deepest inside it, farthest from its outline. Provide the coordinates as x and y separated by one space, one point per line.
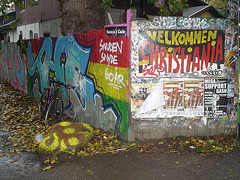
19 124
124 165
14 165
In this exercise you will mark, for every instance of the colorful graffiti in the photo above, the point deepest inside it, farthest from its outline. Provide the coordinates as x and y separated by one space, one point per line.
181 51
94 66
13 66
174 63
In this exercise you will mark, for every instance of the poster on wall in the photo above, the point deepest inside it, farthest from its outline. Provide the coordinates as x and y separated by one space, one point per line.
181 53
169 97
193 97
173 94
183 97
173 97
139 93
215 97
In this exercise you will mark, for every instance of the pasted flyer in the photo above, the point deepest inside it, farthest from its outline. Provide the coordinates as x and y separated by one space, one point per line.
215 97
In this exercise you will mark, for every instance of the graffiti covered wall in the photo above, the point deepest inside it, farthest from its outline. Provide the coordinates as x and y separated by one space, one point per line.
13 65
94 66
184 76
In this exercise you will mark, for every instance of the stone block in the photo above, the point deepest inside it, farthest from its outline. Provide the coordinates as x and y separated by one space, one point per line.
66 137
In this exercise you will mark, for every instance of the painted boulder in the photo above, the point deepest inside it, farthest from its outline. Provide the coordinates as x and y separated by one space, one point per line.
66 137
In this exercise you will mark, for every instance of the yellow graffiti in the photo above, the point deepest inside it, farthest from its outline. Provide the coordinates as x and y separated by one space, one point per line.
65 123
69 130
184 37
73 141
224 119
51 147
111 81
63 146
67 142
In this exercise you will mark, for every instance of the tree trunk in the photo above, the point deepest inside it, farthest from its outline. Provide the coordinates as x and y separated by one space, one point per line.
80 16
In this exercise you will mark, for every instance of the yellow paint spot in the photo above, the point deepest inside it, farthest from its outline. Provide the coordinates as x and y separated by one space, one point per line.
63 146
224 119
52 147
73 141
69 130
55 143
170 49
213 43
189 49
65 123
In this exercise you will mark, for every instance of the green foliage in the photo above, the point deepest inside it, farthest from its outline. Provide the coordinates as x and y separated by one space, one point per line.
6 4
170 7
219 5
106 4
32 3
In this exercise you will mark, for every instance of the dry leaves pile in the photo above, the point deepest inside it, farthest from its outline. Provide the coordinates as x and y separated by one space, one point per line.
19 115
204 145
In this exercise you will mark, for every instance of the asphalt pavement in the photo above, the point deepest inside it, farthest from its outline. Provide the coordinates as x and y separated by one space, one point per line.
132 165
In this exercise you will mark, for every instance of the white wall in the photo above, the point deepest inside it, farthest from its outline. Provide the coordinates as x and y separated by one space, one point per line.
13 35
26 29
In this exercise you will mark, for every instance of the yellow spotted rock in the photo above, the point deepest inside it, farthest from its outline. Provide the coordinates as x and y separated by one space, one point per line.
68 137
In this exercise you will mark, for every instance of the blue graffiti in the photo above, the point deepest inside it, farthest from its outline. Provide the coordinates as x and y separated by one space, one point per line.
67 61
46 62
84 86
42 63
19 68
13 67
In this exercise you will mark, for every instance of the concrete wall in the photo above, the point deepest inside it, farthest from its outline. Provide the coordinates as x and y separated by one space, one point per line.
96 68
181 79
52 26
184 77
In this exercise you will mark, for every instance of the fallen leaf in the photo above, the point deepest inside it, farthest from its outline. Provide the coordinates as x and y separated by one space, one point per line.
46 161
47 168
53 161
12 151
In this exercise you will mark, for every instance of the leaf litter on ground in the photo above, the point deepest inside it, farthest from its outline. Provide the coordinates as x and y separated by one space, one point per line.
20 116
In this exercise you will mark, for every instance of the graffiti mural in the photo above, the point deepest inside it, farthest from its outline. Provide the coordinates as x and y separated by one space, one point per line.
110 72
13 65
96 70
181 51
